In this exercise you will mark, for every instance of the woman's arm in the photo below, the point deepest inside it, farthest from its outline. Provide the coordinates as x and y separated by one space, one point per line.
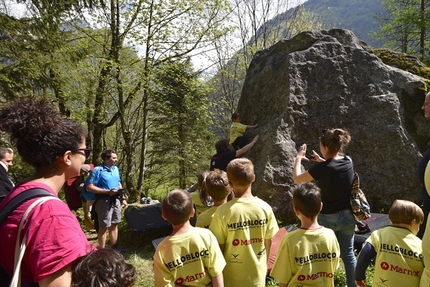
298 175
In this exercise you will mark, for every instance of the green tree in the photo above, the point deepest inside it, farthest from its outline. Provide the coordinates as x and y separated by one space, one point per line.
162 31
404 24
34 52
95 74
181 141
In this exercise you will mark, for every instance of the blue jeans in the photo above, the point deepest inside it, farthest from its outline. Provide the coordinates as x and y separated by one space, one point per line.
343 225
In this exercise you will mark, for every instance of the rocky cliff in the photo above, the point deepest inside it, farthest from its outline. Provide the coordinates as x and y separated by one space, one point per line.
329 79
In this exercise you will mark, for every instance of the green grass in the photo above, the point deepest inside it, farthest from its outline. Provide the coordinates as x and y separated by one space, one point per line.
140 252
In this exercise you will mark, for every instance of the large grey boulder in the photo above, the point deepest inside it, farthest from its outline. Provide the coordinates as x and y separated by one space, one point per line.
328 79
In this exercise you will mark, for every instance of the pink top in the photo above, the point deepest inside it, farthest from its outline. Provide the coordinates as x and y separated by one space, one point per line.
55 238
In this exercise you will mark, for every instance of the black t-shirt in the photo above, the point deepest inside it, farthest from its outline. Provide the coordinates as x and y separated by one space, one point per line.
221 160
335 181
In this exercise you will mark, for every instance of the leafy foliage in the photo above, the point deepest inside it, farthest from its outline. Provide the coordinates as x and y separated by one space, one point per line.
179 126
404 26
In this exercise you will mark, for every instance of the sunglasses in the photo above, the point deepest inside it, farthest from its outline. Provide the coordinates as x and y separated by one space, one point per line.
87 151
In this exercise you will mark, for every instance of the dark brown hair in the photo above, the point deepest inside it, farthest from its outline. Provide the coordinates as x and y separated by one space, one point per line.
107 154
307 199
222 146
235 116
217 185
177 206
103 268
336 140
40 133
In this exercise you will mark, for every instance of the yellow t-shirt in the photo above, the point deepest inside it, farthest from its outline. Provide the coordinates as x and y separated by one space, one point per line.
200 207
425 278
427 178
236 130
242 225
189 259
205 218
399 258
307 258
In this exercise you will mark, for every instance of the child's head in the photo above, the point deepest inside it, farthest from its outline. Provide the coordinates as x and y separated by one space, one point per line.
217 185
240 172
307 199
177 207
235 117
103 268
404 211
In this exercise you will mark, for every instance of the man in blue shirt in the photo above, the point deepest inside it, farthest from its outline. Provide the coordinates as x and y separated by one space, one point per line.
105 181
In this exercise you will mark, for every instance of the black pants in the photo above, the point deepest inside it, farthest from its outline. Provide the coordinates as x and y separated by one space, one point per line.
240 142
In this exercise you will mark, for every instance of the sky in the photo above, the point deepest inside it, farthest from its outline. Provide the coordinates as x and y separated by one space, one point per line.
12 8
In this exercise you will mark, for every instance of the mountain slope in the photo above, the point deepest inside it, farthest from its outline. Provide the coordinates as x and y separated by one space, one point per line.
355 15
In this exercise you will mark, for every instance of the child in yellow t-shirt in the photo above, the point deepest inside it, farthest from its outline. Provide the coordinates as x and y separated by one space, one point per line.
244 228
189 254
308 256
218 188
396 249
237 129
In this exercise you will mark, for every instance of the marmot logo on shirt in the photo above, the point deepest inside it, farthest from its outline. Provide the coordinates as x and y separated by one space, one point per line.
191 256
247 223
316 256
315 276
390 267
190 278
237 242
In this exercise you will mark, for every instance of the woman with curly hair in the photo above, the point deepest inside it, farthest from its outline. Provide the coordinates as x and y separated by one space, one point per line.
334 172
55 147
103 268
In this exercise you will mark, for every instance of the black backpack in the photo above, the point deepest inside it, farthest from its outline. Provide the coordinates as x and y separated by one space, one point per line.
6 211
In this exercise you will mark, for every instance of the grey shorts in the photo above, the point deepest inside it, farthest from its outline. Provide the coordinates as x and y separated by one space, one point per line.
108 213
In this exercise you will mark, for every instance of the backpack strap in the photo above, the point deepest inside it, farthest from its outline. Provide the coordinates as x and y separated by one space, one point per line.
20 199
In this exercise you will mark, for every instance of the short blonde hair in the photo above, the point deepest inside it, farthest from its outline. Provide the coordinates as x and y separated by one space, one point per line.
240 172
404 211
